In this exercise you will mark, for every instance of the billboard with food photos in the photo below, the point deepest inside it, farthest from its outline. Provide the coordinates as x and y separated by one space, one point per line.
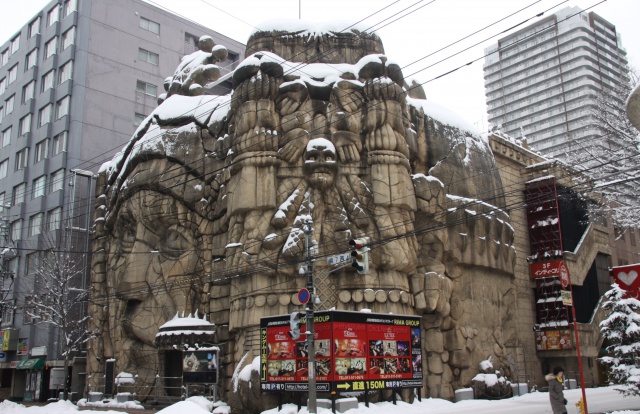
354 351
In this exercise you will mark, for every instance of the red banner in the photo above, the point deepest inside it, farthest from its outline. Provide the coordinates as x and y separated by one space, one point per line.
627 277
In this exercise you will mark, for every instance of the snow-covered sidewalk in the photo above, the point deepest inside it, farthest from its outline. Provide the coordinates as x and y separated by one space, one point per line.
601 400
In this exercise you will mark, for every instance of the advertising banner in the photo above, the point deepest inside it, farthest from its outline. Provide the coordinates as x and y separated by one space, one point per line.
23 346
354 351
554 340
627 278
545 269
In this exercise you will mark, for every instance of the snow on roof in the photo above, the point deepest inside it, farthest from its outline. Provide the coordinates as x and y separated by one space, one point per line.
444 115
311 28
187 321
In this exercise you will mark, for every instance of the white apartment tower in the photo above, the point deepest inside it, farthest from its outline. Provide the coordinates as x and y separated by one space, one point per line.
541 80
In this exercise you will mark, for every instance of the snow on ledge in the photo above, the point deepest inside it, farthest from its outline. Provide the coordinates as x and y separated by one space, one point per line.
187 321
311 28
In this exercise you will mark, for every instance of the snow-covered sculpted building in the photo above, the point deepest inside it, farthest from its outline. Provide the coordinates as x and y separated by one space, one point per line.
203 210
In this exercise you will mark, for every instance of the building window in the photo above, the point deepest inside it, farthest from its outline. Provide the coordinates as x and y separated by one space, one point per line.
66 71
5 57
1 113
39 186
68 37
15 44
35 224
6 137
13 74
146 88
191 41
8 105
139 118
4 168
42 149
62 107
22 157
53 15
57 180
2 197
148 57
632 236
68 7
44 116
34 27
9 310
16 230
149 25
28 308
25 125
54 217
50 47
59 143
3 85
28 91
18 193
47 80
32 59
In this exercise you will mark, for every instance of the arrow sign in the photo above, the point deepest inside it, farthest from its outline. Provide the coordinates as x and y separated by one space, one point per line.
304 295
345 386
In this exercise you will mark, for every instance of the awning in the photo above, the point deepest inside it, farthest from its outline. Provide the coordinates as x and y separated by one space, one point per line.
33 363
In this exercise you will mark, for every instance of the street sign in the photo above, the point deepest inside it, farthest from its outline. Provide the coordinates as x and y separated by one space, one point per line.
566 297
339 258
564 276
303 295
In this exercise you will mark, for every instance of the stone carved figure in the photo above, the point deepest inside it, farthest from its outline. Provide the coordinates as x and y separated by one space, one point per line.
205 207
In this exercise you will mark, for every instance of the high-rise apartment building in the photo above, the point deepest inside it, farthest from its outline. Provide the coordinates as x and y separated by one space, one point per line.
541 81
75 82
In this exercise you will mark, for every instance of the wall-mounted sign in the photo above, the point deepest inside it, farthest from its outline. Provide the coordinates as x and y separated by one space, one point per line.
354 351
23 346
567 300
545 269
554 340
200 366
627 277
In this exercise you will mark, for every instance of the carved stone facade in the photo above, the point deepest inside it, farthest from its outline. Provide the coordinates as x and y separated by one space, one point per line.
203 210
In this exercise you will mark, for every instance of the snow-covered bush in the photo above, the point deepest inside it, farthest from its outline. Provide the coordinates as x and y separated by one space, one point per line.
489 384
622 332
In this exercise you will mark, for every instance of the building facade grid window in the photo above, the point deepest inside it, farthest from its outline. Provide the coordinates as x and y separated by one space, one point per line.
50 47
35 224
32 59
60 143
68 38
66 72
68 7
146 88
41 151
22 158
3 85
25 125
62 107
149 25
47 80
4 168
16 230
39 187
5 57
8 104
53 15
54 217
18 193
6 137
44 115
34 27
28 91
15 44
57 180
13 74
148 56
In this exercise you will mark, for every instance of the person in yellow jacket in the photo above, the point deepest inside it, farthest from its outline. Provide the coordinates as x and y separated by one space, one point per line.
556 395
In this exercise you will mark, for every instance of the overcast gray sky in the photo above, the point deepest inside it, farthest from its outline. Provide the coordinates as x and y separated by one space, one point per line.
429 26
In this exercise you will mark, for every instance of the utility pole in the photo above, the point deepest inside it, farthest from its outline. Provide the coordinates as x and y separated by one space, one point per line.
308 231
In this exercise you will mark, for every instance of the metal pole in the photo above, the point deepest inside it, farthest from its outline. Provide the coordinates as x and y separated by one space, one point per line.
312 407
575 329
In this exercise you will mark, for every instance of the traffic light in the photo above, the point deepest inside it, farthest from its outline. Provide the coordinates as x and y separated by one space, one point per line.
294 324
360 254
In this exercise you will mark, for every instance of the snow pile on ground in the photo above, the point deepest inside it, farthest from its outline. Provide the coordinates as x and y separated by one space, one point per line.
190 406
59 407
110 403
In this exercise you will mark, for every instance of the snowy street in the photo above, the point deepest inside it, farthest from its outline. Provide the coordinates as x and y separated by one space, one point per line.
601 400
